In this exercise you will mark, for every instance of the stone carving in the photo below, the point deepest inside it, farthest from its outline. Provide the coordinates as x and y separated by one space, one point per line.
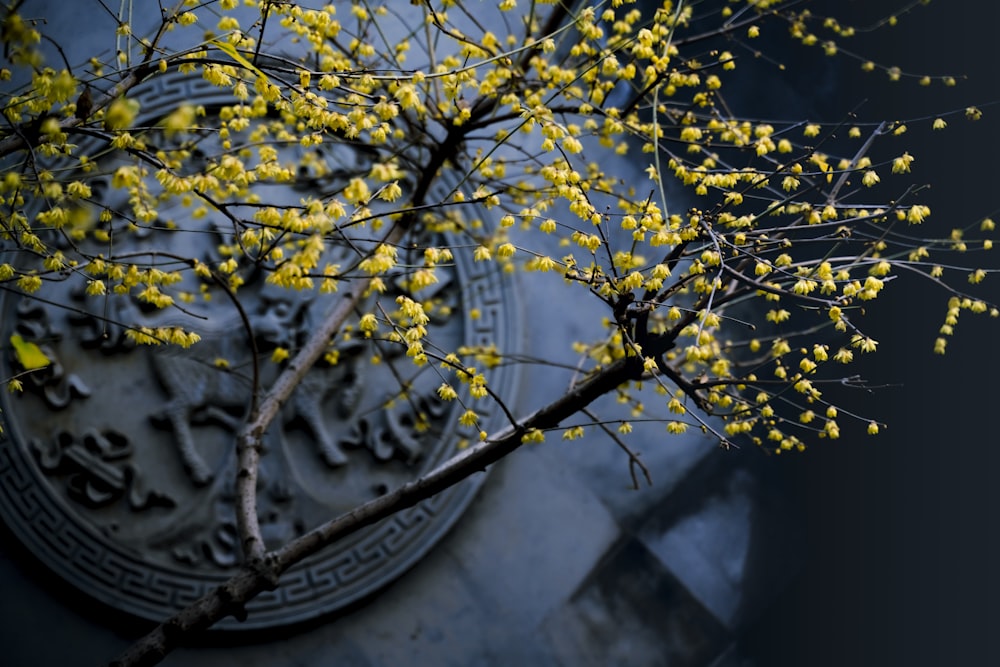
98 468
195 384
53 383
115 466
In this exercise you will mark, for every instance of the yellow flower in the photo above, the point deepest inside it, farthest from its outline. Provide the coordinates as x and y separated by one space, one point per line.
778 316
468 418
864 343
368 324
29 283
447 392
543 264
901 165
676 428
533 436
120 114
391 192
357 191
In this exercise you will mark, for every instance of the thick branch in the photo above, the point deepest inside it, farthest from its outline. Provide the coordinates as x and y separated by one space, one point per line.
250 437
255 577
463 465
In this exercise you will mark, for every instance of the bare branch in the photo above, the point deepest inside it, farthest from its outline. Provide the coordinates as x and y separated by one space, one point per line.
263 573
249 439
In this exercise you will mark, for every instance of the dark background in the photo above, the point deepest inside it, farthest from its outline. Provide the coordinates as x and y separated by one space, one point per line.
902 545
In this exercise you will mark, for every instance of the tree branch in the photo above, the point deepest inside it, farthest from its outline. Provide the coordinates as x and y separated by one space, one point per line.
257 576
634 461
250 437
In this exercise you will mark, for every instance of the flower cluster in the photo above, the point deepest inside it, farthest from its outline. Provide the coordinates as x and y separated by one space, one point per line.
449 116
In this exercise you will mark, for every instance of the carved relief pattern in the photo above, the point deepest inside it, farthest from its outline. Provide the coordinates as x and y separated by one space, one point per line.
115 464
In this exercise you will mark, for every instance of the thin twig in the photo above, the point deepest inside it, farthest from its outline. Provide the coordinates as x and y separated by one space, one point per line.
633 459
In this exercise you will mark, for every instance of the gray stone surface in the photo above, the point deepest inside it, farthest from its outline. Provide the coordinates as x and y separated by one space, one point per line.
632 612
604 468
538 572
521 526
728 537
709 549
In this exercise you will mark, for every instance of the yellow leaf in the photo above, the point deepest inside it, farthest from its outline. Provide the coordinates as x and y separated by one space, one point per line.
29 355
231 51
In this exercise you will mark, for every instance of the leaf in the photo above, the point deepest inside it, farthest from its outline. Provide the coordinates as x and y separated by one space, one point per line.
231 51
29 355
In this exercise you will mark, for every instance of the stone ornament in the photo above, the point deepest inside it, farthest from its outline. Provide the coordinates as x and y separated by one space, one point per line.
117 460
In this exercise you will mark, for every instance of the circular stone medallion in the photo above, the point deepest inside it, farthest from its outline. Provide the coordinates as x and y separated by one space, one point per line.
117 460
